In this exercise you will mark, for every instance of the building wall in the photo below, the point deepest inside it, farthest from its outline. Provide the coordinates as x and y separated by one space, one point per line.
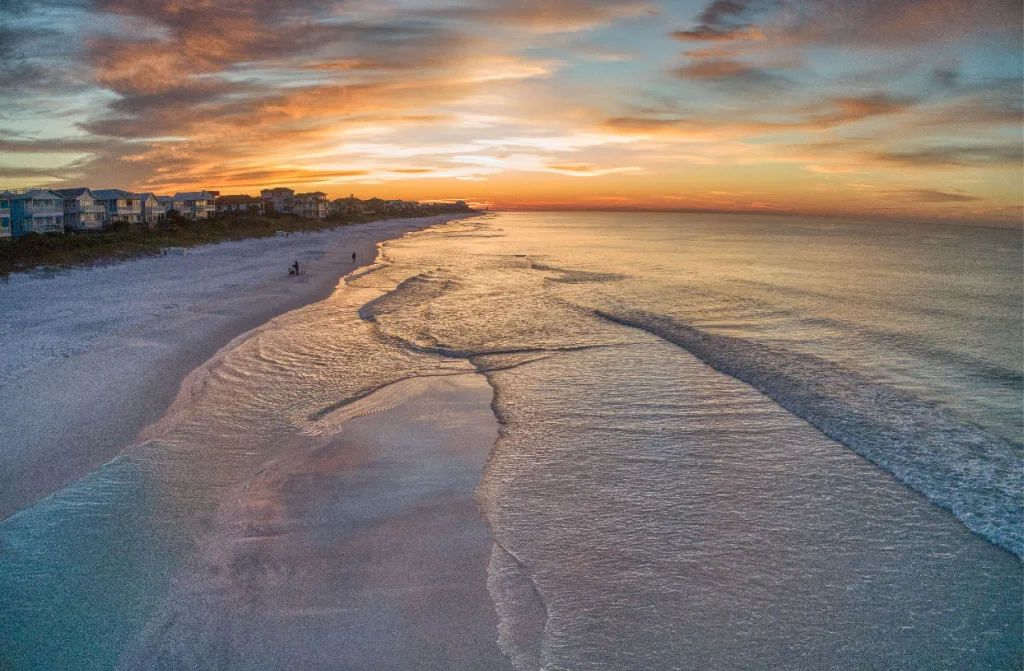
84 213
5 218
44 214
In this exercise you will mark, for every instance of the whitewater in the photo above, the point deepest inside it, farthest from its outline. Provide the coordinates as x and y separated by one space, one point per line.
722 442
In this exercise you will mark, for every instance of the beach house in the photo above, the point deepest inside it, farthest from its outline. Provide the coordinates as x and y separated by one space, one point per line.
166 203
121 206
243 204
35 211
5 217
278 200
195 204
311 205
350 205
375 206
82 210
152 210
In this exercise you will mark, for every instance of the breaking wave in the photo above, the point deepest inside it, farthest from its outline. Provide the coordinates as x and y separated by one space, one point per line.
975 475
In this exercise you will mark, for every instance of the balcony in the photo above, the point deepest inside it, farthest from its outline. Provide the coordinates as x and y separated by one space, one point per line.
45 224
5 211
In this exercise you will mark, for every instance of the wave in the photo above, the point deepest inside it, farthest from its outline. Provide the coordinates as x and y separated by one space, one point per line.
923 348
522 613
413 292
975 475
577 276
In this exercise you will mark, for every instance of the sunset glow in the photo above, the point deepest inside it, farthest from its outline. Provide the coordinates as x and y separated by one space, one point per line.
853 107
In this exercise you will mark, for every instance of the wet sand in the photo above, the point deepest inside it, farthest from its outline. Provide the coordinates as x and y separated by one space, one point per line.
361 550
69 415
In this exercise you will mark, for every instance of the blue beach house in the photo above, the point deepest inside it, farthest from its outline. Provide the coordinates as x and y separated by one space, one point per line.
5 216
35 211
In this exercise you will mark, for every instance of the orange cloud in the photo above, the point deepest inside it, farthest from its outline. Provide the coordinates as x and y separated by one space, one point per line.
507 103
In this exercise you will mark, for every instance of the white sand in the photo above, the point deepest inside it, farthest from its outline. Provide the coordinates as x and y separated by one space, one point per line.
91 356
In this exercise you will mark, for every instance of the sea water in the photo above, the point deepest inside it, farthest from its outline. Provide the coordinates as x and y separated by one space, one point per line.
726 442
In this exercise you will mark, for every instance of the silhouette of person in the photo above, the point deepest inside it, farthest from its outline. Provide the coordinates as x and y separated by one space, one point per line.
353 257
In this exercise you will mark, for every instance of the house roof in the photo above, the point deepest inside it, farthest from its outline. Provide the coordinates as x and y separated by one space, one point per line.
238 200
193 195
144 196
164 199
72 193
30 195
111 194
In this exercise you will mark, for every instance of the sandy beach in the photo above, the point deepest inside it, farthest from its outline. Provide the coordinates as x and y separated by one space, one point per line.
359 547
100 352
367 552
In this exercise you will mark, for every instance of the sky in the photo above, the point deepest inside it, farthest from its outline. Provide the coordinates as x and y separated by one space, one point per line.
867 108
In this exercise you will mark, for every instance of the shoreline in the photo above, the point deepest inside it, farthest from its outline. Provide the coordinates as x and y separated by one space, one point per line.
67 414
362 549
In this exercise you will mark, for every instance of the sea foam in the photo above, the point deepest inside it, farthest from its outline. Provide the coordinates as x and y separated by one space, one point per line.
975 475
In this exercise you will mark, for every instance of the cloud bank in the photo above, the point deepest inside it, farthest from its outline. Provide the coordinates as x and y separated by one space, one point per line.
618 101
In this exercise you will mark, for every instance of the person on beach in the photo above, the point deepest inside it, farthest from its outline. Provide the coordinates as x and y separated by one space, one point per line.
294 269
353 257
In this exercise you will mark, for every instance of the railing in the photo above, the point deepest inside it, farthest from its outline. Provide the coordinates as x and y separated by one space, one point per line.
21 191
5 212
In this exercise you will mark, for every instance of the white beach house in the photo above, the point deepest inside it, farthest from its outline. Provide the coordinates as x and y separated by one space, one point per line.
121 205
152 210
312 205
195 204
278 200
35 211
166 203
82 210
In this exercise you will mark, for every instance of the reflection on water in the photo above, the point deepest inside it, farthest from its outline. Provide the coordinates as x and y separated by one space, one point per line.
83 570
650 512
669 513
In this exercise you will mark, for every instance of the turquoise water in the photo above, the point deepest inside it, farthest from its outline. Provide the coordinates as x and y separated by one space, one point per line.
726 442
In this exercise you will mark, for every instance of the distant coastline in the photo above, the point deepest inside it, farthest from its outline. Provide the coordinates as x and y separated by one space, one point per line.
124 241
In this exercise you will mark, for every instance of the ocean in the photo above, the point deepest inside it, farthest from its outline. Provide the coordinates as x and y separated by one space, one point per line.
725 442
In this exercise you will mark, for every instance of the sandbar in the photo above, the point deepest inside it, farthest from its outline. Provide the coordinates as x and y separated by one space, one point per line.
366 551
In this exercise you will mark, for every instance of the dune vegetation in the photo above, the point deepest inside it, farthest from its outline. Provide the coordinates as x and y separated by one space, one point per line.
125 241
